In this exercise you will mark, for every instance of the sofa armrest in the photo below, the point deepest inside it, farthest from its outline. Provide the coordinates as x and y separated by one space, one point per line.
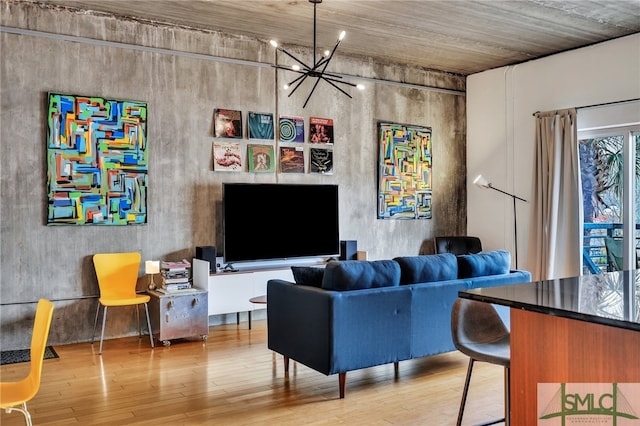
339 331
298 324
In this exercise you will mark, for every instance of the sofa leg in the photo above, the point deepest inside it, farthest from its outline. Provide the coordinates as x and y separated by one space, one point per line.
286 363
396 368
342 380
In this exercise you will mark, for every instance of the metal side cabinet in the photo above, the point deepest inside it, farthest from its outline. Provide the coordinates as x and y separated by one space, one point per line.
179 315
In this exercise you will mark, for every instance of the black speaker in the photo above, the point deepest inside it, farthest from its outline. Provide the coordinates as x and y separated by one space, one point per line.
348 249
207 253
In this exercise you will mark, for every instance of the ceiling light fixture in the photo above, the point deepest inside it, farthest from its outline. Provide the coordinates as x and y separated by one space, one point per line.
318 68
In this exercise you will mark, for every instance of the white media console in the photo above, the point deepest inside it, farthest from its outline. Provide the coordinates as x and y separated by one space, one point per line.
229 292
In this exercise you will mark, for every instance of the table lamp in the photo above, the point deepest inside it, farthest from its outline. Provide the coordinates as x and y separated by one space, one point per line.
151 267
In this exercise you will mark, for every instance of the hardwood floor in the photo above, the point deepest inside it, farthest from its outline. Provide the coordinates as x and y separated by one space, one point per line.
233 379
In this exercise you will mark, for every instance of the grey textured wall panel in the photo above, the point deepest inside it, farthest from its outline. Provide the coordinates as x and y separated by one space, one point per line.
184 193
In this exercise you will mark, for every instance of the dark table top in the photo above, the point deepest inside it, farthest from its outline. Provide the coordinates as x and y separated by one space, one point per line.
611 299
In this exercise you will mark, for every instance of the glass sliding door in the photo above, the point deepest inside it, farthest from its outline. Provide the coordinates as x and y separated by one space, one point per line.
610 167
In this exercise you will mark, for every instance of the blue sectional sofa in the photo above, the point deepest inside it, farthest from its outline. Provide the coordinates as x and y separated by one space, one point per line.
358 314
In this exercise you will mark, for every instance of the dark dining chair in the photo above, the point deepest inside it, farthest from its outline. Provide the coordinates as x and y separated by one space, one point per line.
457 245
478 332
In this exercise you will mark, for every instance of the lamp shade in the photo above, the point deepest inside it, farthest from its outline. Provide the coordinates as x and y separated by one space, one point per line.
481 182
152 267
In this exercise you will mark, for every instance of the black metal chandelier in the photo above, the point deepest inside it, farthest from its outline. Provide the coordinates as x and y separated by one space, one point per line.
318 69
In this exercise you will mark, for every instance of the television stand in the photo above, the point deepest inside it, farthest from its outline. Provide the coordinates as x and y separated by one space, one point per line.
232 293
229 268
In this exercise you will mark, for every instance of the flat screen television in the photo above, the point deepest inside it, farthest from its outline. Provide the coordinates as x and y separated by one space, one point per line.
270 221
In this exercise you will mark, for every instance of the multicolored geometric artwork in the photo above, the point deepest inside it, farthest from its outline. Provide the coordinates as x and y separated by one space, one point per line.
97 161
404 172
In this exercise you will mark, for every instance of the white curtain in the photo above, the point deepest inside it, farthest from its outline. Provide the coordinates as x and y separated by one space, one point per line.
555 239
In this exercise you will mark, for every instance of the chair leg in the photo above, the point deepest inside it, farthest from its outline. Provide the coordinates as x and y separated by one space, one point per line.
467 381
95 323
23 410
146 310
465 391
104 321
138 318
507 396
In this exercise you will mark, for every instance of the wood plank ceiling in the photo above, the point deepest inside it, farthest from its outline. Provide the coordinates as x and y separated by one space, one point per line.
456 36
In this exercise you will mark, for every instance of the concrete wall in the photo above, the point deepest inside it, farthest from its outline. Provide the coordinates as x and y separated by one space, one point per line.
501 126
62 51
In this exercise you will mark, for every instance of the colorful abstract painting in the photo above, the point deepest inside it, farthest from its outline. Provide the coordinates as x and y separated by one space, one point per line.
97 161
404 172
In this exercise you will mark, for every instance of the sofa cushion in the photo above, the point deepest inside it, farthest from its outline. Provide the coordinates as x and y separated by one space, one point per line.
308 275
484 263
360 274
427 268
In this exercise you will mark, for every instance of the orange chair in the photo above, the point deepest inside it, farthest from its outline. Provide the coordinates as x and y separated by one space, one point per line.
117 277
15 395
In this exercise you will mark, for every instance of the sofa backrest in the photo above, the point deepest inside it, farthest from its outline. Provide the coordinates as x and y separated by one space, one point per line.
482 264
427 268
357 275
446 266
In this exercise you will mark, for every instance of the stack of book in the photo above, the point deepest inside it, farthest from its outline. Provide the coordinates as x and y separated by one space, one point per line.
175 277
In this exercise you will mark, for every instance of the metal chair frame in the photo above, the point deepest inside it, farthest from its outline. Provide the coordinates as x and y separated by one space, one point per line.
117 282
479 333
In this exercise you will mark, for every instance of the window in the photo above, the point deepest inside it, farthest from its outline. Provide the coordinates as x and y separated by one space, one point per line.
610 168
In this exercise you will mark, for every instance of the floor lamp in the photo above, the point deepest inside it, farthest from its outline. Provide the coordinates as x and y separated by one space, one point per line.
483 183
